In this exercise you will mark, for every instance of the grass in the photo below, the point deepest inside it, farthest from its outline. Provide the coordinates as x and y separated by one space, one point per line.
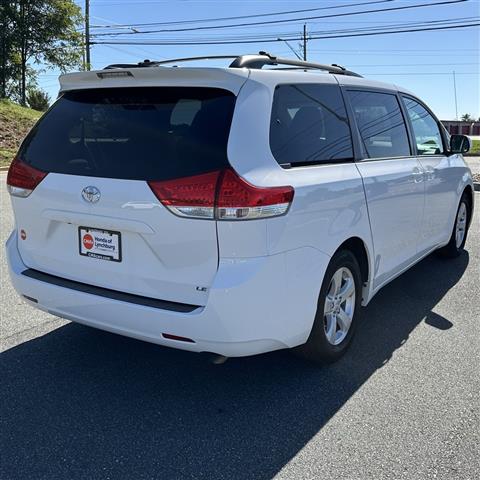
15 123
475 147
6 156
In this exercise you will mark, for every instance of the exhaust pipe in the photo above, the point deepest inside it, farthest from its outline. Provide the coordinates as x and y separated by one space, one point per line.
218 359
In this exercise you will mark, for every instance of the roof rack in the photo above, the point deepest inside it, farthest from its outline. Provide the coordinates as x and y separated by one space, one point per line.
257 61
149 63
264 58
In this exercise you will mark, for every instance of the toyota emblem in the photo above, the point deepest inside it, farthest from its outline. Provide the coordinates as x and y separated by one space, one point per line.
91 194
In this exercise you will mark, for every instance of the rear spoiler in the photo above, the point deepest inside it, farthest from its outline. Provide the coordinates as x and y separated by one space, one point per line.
228 79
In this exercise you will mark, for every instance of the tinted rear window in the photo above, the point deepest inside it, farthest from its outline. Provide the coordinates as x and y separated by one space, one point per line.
309 125
154 133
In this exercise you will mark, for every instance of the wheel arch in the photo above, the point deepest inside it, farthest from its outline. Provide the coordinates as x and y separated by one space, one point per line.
468 190
359 248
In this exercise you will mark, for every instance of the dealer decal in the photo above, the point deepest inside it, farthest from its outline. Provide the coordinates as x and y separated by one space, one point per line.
100 244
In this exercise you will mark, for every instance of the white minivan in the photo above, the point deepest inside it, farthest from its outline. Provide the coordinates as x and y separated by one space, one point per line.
233 210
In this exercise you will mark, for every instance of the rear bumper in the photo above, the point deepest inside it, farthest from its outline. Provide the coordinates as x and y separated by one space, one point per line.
253 306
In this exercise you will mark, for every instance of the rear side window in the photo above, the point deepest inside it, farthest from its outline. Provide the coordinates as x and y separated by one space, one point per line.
425 128
381 124
157 133
309 125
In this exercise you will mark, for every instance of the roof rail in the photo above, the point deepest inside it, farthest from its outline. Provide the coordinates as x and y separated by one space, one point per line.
149 63
264 58
257 61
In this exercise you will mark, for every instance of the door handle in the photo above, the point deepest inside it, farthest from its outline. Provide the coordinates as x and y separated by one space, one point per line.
429 173
417 175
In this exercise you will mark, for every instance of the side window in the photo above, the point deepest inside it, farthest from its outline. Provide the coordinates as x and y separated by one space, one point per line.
425 128
309 124
380 121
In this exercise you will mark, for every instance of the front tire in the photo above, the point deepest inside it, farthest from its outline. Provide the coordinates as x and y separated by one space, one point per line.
460 230
337 310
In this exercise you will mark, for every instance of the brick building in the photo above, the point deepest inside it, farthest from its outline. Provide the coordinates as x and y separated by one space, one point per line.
464 128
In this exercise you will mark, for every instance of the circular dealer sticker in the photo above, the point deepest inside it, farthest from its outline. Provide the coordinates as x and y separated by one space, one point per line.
87 241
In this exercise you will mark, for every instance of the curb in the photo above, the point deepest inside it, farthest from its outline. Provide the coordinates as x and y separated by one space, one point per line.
4 169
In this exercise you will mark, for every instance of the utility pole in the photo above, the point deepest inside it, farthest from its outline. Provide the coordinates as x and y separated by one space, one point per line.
87 34
83 52
455 91
305 41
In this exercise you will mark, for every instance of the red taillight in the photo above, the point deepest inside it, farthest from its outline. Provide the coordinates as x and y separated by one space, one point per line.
22 178
237 199
223 195
189 196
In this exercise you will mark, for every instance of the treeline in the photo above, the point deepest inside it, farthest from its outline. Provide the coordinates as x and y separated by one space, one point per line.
34 34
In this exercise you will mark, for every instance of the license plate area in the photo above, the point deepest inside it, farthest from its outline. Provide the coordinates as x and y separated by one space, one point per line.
100 244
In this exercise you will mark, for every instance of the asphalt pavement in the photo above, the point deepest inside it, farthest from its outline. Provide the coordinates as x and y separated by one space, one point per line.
473 163
78 403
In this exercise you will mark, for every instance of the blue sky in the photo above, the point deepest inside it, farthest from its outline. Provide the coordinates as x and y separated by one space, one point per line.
423 62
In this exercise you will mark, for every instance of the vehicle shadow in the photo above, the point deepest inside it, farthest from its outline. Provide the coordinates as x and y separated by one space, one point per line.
81 403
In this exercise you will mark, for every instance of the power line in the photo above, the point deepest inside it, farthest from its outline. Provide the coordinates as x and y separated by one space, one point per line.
123 50
411 64
423 73
327 52
443 22
275 40
298 19
448 27
288 36
285 36
239 17
403 50
357 53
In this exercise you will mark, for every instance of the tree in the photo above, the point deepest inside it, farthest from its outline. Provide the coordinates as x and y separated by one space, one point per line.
10 79
38 99
466 117
6 47
41 31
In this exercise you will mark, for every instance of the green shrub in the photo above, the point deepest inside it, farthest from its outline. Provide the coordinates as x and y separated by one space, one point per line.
38 100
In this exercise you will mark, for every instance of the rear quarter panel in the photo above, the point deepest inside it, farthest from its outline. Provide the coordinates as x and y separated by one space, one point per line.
329 205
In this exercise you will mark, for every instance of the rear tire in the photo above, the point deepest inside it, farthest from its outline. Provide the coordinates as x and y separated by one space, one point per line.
337 310
458 238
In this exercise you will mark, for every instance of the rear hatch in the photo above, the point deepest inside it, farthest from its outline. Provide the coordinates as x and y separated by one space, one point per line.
94 217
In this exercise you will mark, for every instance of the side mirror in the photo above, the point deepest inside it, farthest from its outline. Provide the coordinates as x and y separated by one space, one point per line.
460 144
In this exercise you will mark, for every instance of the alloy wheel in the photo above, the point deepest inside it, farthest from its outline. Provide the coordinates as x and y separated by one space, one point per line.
461 224
339 306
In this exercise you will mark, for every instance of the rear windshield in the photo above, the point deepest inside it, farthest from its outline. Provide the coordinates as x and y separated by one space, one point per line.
156 133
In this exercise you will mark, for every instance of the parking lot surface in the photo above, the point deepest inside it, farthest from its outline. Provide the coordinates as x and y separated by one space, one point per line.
79 403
